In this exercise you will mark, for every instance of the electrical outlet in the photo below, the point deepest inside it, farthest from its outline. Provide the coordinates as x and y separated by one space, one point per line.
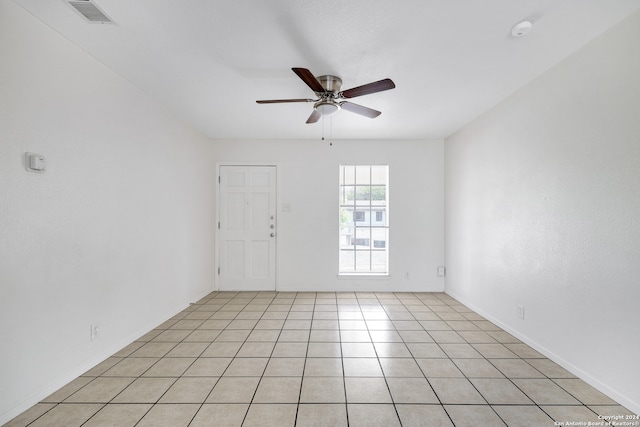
520 311
95 330
35 163
442 271
406 275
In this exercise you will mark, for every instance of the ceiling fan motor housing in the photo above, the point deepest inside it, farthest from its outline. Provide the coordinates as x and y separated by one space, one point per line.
330 83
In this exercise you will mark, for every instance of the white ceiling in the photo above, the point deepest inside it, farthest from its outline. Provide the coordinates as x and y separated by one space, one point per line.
451 60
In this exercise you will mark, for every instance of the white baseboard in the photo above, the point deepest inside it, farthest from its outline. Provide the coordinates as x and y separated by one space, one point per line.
60 382
585 376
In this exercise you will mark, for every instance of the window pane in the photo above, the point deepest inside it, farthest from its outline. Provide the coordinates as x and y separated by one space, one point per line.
363 193
379 195
363 238
379 175
346 217
347 195
346 237
349 175
347 261
379 237
379 261
363 175
363 261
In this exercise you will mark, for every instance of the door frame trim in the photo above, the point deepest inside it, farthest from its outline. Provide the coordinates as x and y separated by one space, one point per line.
216 240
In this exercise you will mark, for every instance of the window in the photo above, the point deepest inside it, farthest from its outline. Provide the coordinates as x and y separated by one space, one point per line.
364 216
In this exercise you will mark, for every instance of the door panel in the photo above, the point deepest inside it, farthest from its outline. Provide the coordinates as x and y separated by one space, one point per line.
260 259
247 233
235 258
235 211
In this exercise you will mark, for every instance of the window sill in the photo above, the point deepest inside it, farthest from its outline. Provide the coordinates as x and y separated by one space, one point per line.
366 276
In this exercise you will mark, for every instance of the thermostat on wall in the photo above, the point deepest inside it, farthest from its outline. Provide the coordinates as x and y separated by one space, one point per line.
35 162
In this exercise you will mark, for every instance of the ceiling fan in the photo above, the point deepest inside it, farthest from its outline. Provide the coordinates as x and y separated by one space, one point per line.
330 97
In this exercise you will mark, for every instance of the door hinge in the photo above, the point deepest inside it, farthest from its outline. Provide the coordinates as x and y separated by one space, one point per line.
218 225
219 180
218 271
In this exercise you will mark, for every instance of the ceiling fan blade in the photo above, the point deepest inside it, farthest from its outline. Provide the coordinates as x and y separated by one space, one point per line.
359 109
280 101
314 117
374 87
309 79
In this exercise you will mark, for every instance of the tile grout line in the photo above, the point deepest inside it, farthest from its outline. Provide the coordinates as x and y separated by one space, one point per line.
423 373
304 364
414 357
214 340
190 365
265 367
392 306
467 378
268 359
384 375
344 375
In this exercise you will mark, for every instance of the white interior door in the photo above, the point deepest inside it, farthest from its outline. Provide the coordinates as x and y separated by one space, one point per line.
247 228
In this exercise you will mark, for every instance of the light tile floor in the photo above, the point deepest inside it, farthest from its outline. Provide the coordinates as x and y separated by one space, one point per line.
324 359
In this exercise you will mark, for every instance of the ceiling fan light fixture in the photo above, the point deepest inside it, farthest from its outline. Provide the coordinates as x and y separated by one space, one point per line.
327 108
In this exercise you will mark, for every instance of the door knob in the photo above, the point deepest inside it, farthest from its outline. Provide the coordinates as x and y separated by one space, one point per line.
273 234
272 226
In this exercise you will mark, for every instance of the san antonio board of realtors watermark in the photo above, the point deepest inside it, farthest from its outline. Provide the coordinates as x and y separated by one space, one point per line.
605 420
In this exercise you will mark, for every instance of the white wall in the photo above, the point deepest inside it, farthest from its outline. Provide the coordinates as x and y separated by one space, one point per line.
308 235
118 231
542 203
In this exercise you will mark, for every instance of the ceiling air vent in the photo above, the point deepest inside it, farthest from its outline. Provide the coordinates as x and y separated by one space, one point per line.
90 11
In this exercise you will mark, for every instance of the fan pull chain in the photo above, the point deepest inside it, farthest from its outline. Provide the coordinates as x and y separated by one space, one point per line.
331 131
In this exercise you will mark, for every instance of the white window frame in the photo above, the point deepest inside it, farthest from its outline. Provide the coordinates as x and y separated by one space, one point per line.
355 225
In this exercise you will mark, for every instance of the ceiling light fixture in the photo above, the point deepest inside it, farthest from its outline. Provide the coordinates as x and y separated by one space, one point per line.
327 107
521 28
